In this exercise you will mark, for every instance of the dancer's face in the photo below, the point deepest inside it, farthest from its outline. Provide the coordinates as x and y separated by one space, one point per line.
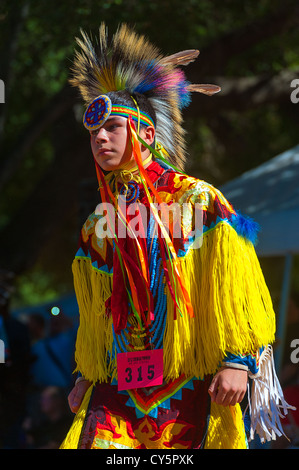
111 146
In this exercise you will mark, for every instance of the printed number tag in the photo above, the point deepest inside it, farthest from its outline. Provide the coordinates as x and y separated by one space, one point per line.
140 369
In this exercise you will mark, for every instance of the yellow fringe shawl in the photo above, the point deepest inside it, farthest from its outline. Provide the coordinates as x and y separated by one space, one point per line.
232 305
233 310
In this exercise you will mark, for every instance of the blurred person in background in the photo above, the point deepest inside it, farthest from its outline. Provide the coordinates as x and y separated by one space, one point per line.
54 354
47 428
37 326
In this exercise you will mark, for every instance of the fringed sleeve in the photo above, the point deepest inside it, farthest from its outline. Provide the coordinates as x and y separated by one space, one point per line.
94 336
93 286
233 310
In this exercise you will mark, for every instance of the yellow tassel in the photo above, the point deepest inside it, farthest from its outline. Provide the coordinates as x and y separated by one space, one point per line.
226 428
232 306
71 440
94 337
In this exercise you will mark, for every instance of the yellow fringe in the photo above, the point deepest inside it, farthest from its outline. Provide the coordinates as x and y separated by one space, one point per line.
71 440
232 305
94 337
226 428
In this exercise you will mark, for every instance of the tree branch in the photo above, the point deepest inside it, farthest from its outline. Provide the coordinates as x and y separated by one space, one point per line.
47 211
57 107
241 94
214 58
8 54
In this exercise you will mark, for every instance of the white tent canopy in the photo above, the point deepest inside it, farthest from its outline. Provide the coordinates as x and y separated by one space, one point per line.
270 195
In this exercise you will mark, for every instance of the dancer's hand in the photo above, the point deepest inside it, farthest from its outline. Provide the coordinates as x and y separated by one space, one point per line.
228 386
77 394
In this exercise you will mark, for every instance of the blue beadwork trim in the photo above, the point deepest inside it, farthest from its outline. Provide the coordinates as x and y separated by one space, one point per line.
157 287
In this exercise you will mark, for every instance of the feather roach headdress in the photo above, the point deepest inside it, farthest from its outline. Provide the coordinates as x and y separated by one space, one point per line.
130 62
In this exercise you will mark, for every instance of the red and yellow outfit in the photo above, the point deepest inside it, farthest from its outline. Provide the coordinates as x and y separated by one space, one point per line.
232 314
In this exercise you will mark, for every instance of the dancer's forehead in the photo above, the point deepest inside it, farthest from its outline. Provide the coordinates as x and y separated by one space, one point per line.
118 121
115 119
102 109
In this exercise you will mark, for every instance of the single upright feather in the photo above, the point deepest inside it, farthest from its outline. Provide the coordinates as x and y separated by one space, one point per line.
181 58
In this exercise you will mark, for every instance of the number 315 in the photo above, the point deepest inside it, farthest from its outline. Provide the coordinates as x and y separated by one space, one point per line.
150 373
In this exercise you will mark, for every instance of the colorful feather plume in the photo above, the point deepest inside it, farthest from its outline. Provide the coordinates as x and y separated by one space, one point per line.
130 62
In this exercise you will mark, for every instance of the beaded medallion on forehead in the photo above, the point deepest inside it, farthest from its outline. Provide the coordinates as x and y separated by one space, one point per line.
97 112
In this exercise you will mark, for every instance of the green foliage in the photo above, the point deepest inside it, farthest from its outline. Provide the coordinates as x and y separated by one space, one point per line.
36 51
35 287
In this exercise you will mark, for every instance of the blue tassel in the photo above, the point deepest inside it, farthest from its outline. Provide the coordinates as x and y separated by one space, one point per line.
246 227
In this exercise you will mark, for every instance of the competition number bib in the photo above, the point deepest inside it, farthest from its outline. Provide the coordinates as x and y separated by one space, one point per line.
139 369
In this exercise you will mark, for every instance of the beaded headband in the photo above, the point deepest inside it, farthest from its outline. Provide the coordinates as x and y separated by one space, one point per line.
101 109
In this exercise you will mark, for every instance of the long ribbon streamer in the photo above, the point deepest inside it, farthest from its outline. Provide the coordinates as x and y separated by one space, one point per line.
169 244
125 260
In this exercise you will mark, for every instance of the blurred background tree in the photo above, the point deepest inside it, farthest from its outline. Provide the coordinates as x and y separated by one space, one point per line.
47 178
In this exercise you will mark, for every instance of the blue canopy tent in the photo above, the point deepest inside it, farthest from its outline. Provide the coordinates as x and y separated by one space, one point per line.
270 195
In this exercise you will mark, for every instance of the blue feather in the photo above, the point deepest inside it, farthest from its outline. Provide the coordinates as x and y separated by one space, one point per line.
184 94
246 227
